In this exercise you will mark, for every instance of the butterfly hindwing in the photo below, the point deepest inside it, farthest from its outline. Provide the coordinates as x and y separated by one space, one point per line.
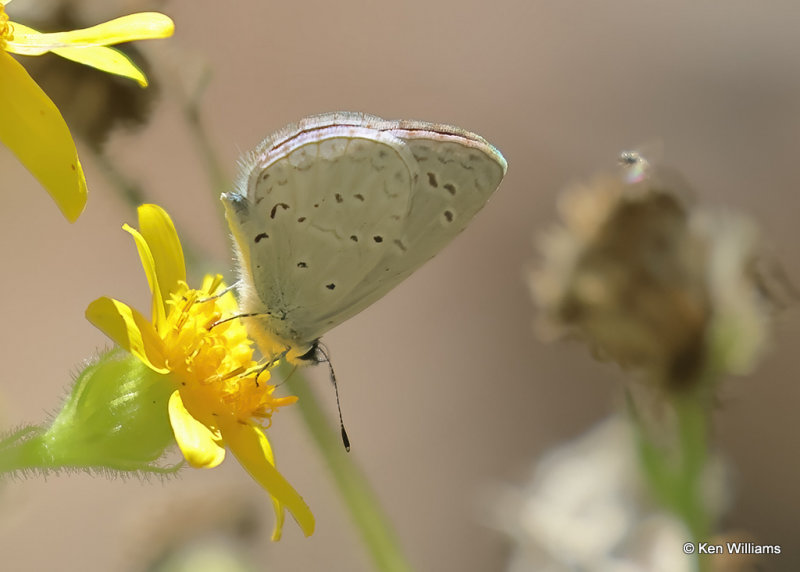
458 172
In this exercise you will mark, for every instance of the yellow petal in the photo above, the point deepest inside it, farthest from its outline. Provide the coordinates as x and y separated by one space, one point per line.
280 512
201 446
129 329
162 238
109 60
142 26
150 269
32 127
249 444
280 517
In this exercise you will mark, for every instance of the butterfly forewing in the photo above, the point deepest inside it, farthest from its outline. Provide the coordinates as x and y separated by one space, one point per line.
312 221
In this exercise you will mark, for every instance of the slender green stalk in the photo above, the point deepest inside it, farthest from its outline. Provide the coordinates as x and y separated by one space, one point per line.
130 190
14 450
674 465
693 420
217 175
358 496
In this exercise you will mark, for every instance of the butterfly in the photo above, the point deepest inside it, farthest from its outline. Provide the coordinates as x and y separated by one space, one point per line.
331 213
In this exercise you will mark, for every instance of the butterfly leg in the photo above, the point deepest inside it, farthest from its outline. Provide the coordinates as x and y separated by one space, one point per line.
271 363
220 294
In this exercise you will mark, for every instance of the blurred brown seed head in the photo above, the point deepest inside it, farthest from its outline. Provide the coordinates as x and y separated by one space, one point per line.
650 282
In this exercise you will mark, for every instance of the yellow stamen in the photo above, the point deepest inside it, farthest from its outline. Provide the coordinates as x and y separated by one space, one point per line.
6 28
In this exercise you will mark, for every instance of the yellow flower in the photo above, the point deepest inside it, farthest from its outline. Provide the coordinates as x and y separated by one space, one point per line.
30 123
218 399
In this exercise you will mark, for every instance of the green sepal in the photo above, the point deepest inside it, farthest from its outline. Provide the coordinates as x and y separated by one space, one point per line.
114 418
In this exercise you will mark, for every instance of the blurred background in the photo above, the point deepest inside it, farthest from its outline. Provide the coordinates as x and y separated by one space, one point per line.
446 391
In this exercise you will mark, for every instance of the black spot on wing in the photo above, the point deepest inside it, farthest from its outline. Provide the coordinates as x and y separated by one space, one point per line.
274 210
261 236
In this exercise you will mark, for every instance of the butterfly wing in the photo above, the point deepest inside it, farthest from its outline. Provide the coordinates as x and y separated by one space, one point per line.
335 211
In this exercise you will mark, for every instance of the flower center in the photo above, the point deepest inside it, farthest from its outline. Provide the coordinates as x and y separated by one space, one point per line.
212 359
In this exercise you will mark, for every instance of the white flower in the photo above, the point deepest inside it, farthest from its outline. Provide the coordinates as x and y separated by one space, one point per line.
586 509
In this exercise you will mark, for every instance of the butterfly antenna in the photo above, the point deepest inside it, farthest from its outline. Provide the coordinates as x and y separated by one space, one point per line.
345 438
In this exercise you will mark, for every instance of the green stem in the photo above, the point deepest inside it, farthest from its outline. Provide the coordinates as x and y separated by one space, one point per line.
130 190
18 450
217 175
693 422
674 473
358 496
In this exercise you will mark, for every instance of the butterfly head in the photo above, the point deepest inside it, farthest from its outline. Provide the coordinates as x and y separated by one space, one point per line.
315 354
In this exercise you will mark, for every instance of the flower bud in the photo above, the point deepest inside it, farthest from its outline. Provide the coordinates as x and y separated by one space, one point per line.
115 417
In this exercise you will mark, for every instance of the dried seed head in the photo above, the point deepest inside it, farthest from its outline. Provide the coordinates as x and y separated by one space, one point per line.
649 282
